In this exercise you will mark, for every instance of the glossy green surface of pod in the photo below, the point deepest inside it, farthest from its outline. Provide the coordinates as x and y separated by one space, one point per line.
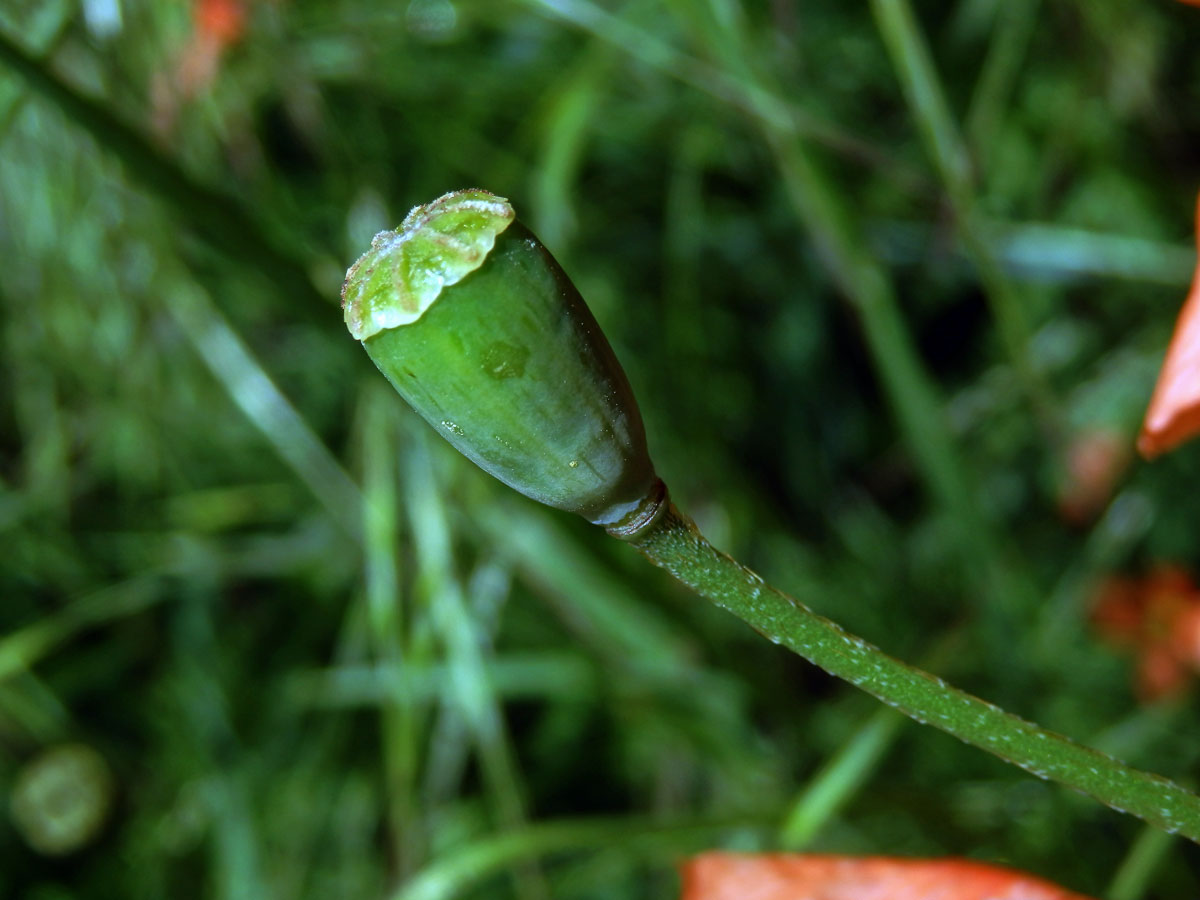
505 360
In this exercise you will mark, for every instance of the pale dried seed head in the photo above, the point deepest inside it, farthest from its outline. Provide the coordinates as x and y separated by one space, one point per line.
437 245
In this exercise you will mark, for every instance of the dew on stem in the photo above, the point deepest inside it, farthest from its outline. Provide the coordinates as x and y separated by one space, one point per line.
566 431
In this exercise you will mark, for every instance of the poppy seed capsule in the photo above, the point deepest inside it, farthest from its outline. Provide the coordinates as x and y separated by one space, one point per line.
479 329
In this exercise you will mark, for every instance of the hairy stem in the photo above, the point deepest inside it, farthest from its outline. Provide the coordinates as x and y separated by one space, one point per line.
674 544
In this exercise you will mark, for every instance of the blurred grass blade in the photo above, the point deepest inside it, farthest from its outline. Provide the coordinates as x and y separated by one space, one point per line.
1084 253
548 675
22 649
452 875
32 711
252 390
54 28
570 116
1016 24
840 778
1136 873
400 744
235 844
1049 252
844 774
626 631
470 688
927 101
751 98
215 217
902 376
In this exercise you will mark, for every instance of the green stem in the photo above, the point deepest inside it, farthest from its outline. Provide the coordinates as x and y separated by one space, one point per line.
944 144
1016 23
468 683
907 385
840 778
399 708
266 408
1141 864
902 375
673 543
771 107
23 648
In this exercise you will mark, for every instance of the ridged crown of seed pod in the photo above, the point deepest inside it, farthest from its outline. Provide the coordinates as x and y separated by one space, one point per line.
480 330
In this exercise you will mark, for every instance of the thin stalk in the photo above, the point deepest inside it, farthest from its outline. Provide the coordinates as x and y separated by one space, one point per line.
771 107
250 387
593 603
564 141
398 712
1015 21
469 686
1000 583
1140 865
902 375
944 144
674 544
555 676
840 778
44 44
23 648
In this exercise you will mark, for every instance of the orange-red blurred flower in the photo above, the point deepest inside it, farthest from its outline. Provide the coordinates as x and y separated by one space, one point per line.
1174 413
217 25
1158 617
224 20
1094 460
741 876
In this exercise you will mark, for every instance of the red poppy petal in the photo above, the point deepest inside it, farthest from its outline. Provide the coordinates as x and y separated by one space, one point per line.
224 20
1174 413
1159 674
1185 636
744 876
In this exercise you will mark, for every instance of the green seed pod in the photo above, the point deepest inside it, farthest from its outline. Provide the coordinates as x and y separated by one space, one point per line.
480 330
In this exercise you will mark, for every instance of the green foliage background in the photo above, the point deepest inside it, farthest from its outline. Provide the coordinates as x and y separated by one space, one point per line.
322 656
